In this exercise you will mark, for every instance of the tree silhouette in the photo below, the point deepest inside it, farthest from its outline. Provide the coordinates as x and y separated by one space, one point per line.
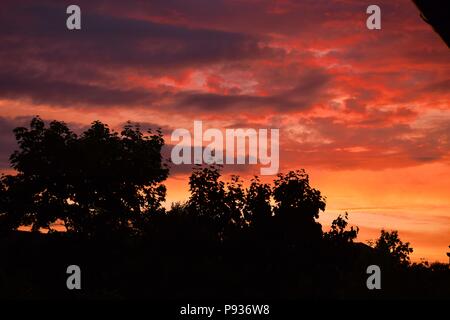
297 205
338 232
235 201
390 245
98 182
262 241
207 193
3 202
258 209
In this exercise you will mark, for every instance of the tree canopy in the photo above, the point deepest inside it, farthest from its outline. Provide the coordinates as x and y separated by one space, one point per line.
229 238
98 181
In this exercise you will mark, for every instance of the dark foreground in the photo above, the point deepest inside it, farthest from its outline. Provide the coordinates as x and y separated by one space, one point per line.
180 265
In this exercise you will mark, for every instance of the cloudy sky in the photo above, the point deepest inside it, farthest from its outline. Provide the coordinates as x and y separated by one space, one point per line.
366 113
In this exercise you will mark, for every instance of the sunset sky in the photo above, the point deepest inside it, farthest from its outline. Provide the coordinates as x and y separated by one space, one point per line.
365 112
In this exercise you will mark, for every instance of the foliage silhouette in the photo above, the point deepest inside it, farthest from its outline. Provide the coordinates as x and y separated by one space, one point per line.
227 240
98 182
207 194
257 203
390 245
338 232
297 205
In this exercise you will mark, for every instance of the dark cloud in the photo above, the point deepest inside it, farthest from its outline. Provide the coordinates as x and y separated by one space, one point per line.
41 60
186 169
61 93
309 88
40 33
441 87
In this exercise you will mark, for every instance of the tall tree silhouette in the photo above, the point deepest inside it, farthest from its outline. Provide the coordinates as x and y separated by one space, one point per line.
98 182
